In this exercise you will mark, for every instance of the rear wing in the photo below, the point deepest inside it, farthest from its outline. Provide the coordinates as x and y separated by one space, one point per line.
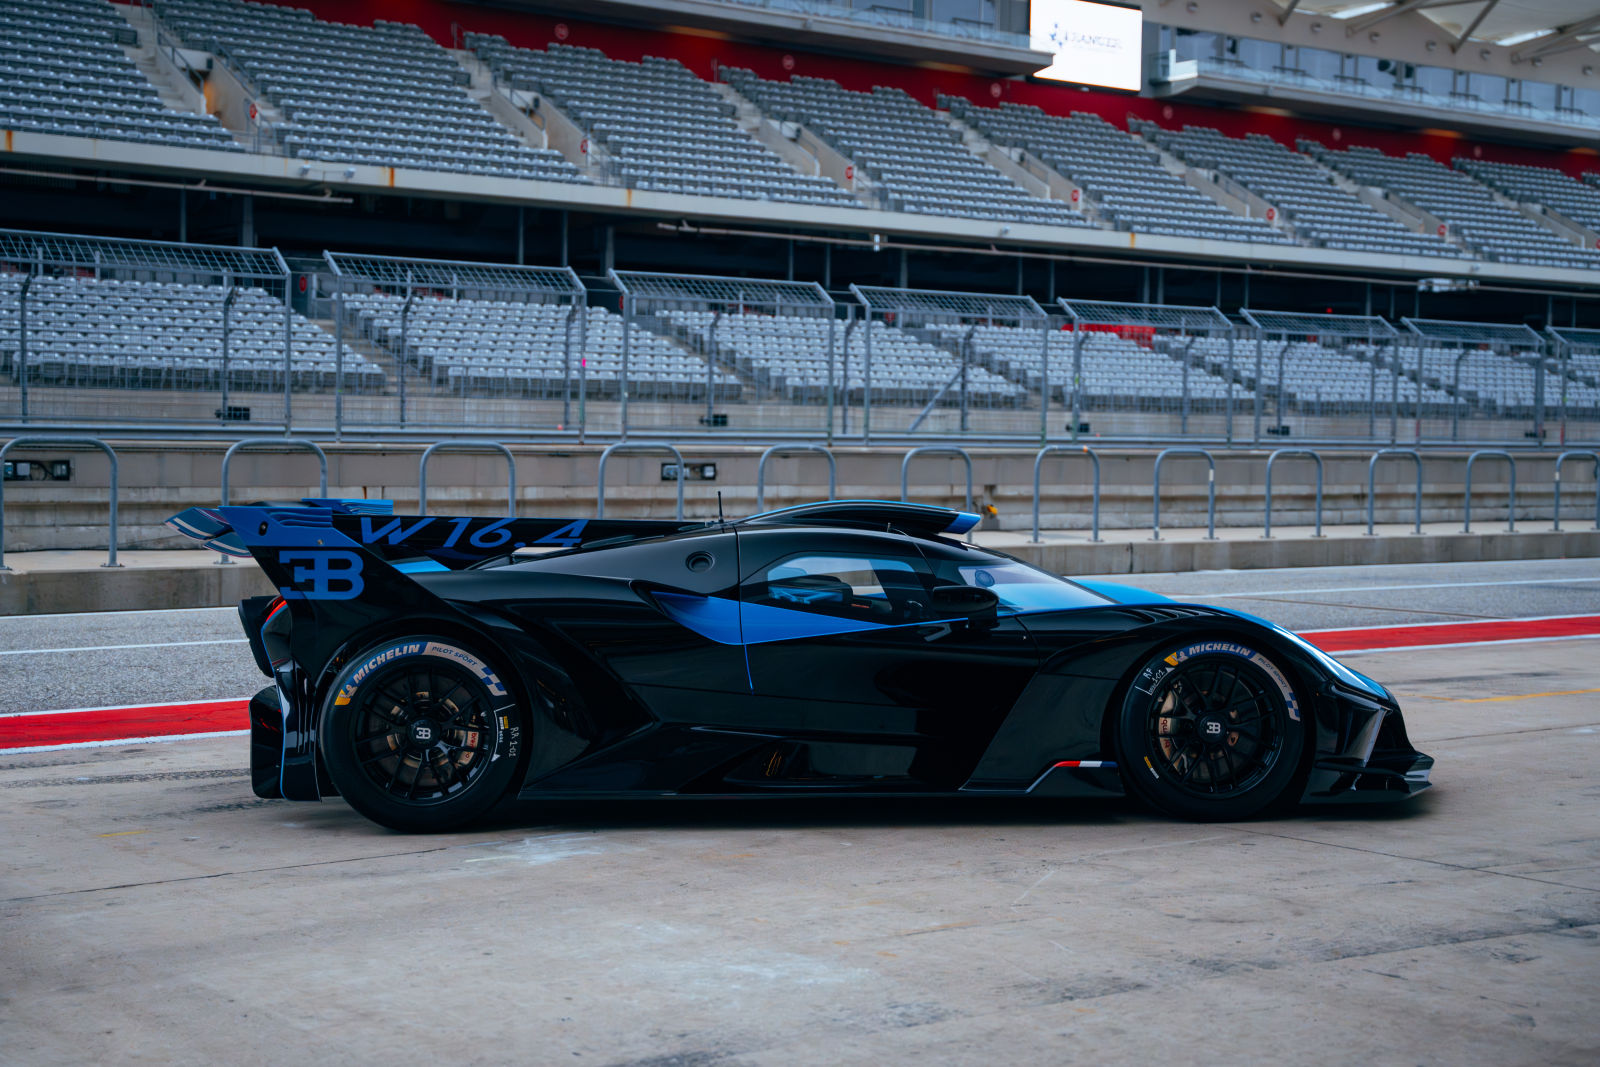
409 543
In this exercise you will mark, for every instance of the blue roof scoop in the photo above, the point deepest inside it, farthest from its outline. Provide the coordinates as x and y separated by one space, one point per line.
918 520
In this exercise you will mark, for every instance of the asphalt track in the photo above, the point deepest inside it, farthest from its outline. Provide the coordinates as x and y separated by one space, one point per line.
152 909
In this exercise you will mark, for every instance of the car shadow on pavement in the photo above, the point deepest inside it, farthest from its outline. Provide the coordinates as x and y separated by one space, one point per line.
671 813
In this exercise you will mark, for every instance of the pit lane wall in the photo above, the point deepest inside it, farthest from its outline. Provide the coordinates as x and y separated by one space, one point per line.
51 525
160 478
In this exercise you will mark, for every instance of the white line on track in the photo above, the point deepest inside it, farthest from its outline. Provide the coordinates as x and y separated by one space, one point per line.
1312 591
112 614
116 648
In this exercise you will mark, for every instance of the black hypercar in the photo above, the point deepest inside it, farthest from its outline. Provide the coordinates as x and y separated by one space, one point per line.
424 668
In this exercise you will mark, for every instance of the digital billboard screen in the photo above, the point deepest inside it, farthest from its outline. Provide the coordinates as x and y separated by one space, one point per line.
1093 44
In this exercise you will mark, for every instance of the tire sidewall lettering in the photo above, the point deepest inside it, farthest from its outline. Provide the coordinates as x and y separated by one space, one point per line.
508 729
1172 660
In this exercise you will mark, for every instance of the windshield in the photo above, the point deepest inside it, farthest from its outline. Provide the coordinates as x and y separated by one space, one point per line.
1018 586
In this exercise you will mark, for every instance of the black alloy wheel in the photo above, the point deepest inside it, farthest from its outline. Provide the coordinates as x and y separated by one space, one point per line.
420 734
1211 730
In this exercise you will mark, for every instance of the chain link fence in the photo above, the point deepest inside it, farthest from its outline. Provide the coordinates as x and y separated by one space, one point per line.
202 334
1161 371
1574 370
103 334
1477 381
931 362
706 353
434 343
1325 377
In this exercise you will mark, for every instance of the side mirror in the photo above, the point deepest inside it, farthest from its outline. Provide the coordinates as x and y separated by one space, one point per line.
965 602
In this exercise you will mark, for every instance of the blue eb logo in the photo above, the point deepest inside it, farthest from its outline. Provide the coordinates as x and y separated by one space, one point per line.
322 574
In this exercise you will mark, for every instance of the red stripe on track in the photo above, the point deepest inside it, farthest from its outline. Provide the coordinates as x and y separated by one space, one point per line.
112 724
1455 633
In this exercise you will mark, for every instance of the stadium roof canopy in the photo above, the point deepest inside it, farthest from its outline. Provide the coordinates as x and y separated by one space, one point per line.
1533 28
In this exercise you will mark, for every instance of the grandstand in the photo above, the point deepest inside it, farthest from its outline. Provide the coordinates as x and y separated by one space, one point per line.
65 69
1119 175
610 150
168 335
1313 206
910 158
386 96
1539 186
663 128
1484 224
496 348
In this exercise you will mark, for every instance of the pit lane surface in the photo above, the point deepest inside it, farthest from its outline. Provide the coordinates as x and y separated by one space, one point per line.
151 908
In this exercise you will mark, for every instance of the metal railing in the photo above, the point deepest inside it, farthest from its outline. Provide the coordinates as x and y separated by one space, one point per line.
1272 459
934 450
46 442
1372 470
1466 507
1211 490
275 442
1593 457
777 450
635 448
223 560
1094 510
467 446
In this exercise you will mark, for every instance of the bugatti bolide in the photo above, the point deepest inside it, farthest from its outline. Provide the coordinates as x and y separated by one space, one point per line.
426 668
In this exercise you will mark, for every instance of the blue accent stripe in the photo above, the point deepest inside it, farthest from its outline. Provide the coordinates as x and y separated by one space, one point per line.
711 617
964 521
763 623
728 622
419 566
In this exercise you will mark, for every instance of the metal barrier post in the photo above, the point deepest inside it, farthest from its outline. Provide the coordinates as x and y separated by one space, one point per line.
1511 517
298 442
1372 468
228 298
1593 457
95 442
1211 490
628 446
1094 513
338 358
22 338
761 469
1273 458
941 450
467 446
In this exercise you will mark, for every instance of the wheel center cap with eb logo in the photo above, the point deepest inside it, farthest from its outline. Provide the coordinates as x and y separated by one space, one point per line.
424 732
1212 730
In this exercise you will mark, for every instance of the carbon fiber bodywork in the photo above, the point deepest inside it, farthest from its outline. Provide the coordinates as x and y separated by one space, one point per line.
649 659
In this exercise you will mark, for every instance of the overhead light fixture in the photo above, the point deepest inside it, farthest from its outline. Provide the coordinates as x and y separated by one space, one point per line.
1357 12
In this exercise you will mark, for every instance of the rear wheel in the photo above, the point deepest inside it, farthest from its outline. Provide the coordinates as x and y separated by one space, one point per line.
420 734
1211 730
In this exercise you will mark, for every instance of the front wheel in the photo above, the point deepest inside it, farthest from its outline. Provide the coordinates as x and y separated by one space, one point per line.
420 734
1211 730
